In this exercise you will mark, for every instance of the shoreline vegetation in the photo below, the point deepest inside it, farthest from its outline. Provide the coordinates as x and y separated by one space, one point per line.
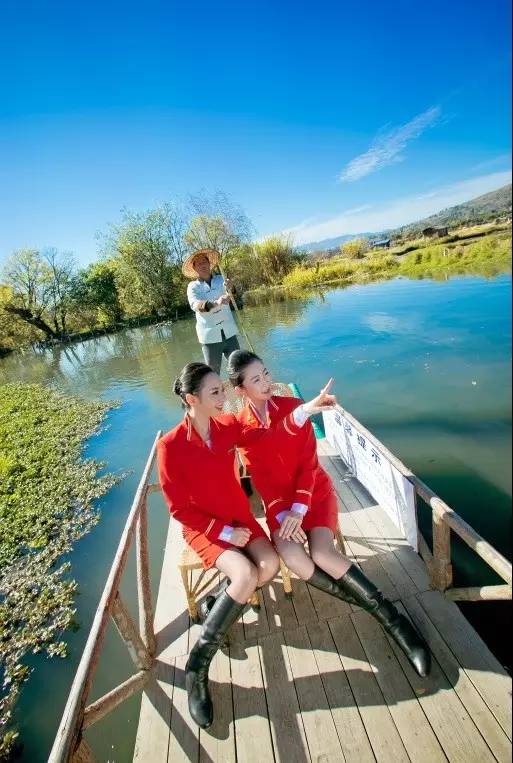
46 299
48 497
487 254
477 250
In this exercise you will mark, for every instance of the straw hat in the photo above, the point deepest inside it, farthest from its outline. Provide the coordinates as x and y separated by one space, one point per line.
188 270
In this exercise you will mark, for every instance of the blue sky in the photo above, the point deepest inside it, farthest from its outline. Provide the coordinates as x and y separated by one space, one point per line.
318 118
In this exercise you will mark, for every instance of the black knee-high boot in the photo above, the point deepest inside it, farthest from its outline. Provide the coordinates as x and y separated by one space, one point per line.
208 602
223 614
372 600
326 583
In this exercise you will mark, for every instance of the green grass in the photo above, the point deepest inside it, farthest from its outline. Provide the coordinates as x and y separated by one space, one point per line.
490 255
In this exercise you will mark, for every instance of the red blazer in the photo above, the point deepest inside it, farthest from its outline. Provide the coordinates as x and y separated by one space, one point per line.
201 485
283 465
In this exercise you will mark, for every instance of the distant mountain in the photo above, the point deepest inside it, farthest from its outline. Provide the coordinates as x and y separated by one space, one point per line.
490 204
493 203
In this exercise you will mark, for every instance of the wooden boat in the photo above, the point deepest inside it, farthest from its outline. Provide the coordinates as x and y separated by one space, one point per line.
308 678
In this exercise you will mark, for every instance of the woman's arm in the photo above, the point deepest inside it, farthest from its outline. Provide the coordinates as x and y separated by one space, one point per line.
177 498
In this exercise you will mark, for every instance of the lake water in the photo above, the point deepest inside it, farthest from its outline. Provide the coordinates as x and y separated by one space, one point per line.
424 365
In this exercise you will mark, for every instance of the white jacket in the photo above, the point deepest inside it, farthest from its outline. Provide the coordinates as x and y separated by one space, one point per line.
209 325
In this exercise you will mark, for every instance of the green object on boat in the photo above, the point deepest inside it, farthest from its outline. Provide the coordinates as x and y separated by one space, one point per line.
316 420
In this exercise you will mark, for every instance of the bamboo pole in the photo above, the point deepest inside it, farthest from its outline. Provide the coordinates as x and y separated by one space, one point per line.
480 593
69 729
130 635
143 581
240 322
104 705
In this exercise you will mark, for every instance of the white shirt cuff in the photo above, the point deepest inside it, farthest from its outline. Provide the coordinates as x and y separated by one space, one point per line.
300 416
226 534
298 508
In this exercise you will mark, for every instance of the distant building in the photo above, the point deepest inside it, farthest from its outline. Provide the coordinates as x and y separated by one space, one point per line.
434 232
384 244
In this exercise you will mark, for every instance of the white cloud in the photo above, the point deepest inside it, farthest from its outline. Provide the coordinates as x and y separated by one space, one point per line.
399 212
388 148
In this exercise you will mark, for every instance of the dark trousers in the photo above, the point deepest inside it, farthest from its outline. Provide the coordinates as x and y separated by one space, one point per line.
213 353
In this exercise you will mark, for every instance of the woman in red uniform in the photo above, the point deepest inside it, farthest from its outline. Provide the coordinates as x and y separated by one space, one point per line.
199 480
300 501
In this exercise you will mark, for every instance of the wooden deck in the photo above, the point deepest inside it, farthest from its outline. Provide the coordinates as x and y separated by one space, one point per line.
313 679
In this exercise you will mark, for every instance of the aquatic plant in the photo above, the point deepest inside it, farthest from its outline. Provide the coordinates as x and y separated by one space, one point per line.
47 502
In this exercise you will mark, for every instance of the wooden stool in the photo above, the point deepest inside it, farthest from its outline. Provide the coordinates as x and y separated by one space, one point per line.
189 561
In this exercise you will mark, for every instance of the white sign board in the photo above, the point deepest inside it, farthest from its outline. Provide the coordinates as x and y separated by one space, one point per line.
394 493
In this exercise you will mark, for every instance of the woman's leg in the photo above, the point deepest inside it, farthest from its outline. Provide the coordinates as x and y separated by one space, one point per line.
264 558
324 554
227 608
241 572
295 557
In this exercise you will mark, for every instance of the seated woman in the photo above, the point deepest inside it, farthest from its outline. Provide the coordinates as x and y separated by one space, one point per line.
200 483
198 477
300 502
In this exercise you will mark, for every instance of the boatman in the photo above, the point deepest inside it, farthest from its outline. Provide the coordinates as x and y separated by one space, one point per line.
209 298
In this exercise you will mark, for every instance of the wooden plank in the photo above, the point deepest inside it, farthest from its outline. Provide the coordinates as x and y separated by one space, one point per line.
218 742
252 730
381 730
279 609
184 734
417 735
482 716
303 604
483 669
452 724
353 738
171 616
152 740
288 735
255 622
320 730
327 606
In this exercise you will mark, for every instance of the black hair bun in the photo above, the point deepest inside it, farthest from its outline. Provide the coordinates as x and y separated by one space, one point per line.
177 387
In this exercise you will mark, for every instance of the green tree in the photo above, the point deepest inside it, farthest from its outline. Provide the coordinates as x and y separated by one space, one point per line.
217 223
59 271
146 251
95 289
355 249
276 258
27 276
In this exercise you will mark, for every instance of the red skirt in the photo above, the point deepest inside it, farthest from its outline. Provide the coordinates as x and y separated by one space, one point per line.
209 551
322 513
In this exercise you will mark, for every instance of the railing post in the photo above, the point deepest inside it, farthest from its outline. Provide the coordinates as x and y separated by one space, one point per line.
143 580
441 567
130 635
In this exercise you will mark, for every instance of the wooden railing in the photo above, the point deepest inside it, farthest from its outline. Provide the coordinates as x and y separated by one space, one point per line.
69 745
445 520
